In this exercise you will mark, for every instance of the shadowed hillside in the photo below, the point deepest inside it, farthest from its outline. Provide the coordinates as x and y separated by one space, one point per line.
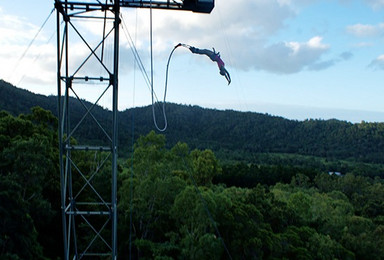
231 134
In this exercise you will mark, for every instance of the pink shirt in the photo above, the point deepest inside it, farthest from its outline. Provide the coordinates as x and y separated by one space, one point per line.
220 63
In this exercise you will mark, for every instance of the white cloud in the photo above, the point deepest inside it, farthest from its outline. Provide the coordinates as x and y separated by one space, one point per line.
16 63
249 20
242 33
22 63
378 63
14 29
290 57
375 4
365 30
36 65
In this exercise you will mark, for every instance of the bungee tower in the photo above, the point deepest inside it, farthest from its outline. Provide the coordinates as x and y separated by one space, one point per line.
89 190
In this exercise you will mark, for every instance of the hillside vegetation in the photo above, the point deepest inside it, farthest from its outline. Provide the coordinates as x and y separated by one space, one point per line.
184 204
217 185
232 135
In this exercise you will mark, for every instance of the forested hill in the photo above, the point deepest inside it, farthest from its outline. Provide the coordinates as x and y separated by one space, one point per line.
236 134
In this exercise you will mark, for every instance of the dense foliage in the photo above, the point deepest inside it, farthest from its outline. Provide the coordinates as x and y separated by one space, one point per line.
178 213
29 186
177 202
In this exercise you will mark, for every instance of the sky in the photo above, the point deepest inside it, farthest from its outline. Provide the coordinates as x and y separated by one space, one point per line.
298 59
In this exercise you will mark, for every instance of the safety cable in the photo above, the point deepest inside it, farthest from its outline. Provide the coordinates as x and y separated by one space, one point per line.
30 44
131 185
134 50
136 55
35 59
143 71
132 151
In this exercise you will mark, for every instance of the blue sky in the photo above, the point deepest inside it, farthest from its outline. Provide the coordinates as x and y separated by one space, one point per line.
297 59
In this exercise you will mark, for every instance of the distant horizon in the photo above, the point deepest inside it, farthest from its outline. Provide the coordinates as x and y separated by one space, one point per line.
290 112
294 59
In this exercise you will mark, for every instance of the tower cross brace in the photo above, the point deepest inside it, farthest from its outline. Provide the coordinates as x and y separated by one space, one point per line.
88 172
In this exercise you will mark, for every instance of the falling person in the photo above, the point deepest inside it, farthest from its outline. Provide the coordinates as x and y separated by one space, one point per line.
215 57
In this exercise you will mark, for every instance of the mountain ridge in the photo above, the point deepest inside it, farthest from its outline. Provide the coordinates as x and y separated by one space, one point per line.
227 131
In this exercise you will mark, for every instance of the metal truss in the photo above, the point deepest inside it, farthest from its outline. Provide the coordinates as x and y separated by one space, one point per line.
199 6
88 171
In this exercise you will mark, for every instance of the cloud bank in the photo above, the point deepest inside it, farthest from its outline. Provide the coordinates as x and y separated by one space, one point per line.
243 32
371 32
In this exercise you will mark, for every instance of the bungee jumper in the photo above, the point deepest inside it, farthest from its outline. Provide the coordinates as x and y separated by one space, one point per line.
213 55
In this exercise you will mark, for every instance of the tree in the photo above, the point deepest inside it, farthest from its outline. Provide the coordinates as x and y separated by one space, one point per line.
205 167
18 236
149 196
363 238
28 157
197 238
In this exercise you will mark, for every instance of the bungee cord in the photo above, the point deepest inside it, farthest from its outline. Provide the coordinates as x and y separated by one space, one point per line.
213 55
149 80
152 84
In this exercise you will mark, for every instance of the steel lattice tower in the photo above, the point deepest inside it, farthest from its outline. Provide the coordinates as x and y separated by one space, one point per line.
88 172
